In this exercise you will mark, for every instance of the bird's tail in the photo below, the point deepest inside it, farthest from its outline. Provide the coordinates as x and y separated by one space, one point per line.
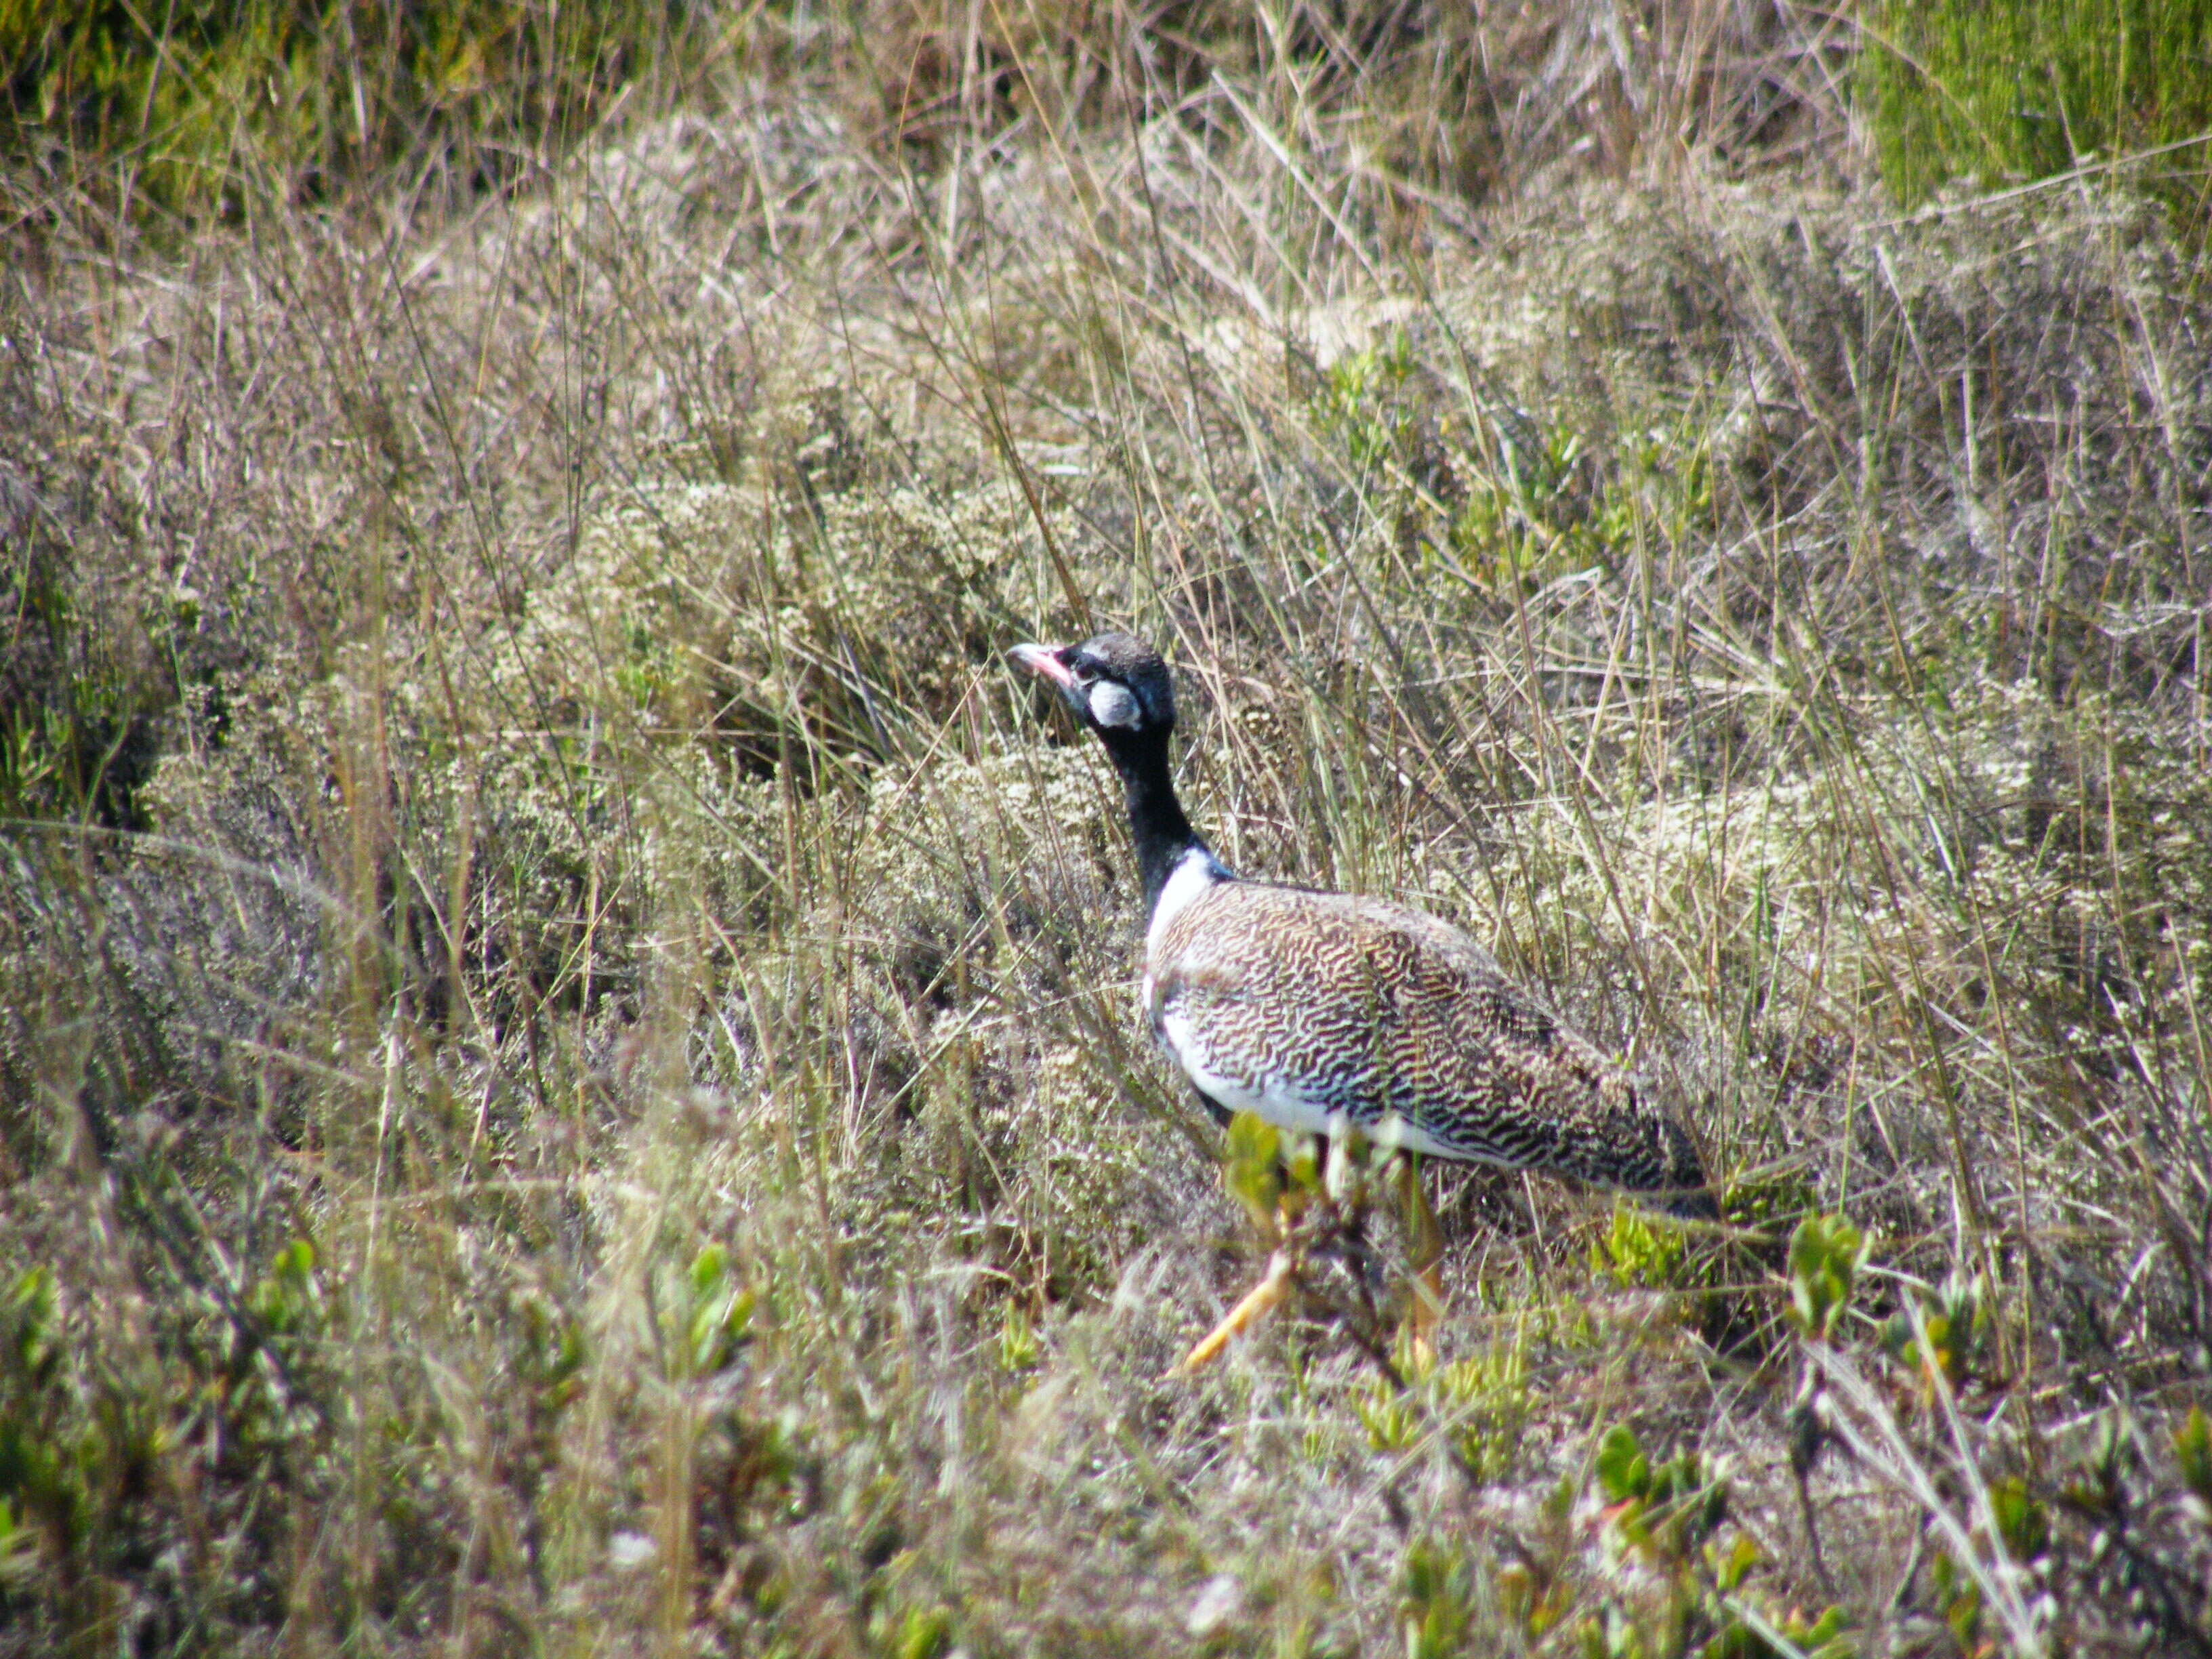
1699 1205
1684 1191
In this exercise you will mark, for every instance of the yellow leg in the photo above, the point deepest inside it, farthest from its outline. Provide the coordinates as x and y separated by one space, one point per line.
1425 1246
1262 1297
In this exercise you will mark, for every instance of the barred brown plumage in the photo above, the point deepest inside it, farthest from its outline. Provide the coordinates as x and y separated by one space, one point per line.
1320 1010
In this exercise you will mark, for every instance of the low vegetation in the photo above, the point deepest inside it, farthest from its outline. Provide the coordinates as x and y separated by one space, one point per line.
569 1078
2008 94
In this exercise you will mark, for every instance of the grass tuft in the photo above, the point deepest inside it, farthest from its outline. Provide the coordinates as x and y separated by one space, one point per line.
2032 89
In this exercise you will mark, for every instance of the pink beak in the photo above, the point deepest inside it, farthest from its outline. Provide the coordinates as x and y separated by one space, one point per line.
1043 660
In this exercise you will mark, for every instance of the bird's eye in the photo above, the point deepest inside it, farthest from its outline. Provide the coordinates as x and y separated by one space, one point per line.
1111 704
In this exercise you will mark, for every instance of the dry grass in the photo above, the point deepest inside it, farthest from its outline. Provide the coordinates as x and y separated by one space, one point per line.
567 1078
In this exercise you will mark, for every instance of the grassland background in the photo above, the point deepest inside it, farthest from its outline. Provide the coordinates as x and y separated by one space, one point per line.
568 1075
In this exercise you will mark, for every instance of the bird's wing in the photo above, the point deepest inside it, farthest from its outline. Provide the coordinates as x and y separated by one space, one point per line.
1311 1008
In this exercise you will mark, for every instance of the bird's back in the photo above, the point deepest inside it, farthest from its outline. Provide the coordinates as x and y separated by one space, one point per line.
1314 1008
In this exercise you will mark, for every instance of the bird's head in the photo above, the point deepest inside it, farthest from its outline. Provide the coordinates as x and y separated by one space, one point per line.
1117 685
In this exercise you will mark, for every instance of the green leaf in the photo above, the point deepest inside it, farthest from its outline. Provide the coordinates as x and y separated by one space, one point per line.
286 1299
1826 1637
925 1633
1623 1471
2022 1521
1826 1254
2192 1448
33 1311
19 1547
1731 1569
721 1310
1435 1601
1252 1172
1019 1348
1639 1251
708 1269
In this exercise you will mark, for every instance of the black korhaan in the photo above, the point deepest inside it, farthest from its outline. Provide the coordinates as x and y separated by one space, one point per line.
1318 1010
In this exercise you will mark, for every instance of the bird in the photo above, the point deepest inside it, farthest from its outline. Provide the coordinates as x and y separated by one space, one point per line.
1327 1012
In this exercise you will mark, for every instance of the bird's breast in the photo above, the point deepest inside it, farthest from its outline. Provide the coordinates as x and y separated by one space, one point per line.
1195 874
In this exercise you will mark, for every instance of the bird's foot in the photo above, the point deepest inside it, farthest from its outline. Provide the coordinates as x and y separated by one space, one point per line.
1282 1273
1306 1229
1424 1287
1425 1311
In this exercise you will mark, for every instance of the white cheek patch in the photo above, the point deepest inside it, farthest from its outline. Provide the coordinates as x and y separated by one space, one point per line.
1112 705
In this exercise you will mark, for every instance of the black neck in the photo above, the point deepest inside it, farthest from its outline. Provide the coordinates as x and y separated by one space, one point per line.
1157 823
